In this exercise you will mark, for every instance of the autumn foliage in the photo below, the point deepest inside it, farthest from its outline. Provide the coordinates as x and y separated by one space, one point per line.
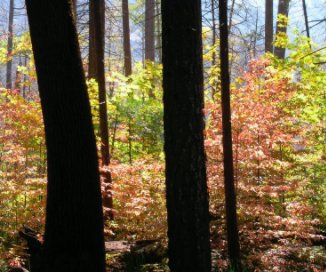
279 160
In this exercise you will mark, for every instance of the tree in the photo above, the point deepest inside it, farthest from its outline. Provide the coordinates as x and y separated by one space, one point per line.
126 38
187 200
149 30
10 44
73 239
269 26
97 71
281 27
304 7
230 197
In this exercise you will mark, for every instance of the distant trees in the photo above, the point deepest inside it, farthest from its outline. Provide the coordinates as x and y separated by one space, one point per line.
187 199
73 239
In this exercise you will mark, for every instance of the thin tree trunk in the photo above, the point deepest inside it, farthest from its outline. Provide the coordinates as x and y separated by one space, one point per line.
255 35
10 44
231 14
126 38
158 31
187 199
230 196
213 44
150 30
269 26
283 8
18 78
304 6
213 32
73 239
24 78
97 19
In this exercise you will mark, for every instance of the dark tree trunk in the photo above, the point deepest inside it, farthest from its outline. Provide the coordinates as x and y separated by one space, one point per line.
9 45
158 31
304 6
213 32
126 38
186 192
97 25
150 30
269 26
283 8
213 9
73 239
230 196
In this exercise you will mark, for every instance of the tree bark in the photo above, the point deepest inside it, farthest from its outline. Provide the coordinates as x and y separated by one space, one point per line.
97 25
126 38
230 196
269 26
304 6
10 44
150 30
73 239
186 189
283 8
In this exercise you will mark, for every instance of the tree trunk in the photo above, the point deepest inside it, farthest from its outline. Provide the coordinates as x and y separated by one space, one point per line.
283 8
213 33
187 199
269 26
126 38
158 31
9 45
18 78
304 6
230 196
97 25
73 239
150 30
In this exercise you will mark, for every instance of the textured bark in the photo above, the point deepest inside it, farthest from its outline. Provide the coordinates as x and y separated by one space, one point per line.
150 30
10 44
230 196
126 38
283 8
97 25
269 26
186 189
73 238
